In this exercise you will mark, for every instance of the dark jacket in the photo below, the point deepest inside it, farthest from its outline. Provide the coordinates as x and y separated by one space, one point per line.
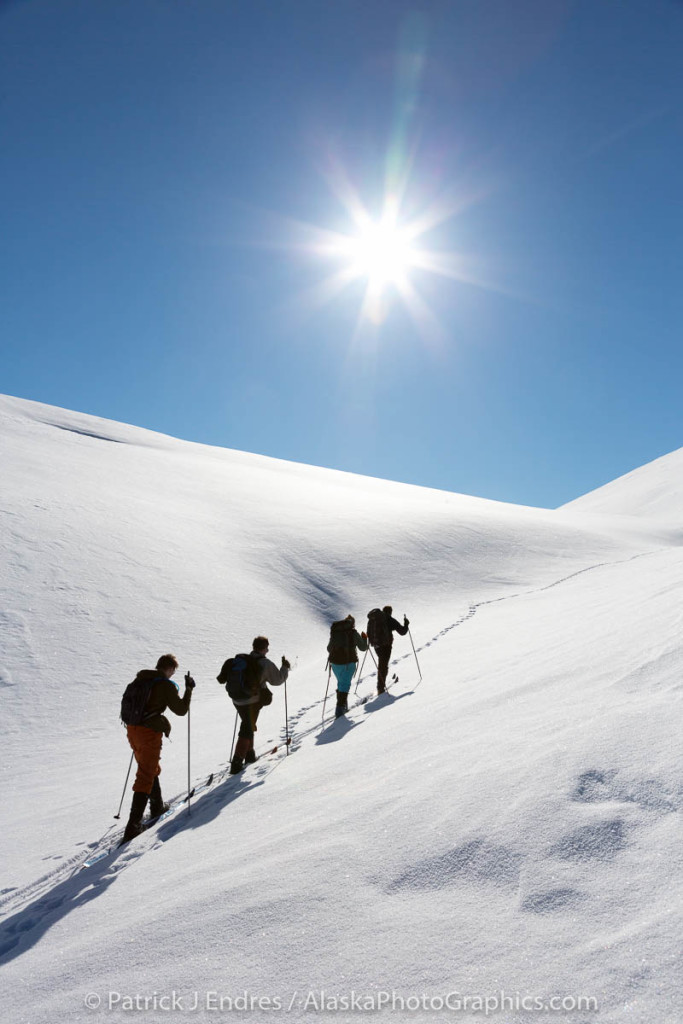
164 696
395 627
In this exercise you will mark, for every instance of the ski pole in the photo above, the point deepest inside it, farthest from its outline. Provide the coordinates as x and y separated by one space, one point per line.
377 665
415 653
124 785
189 794
361 668
234 733
286 724
329 673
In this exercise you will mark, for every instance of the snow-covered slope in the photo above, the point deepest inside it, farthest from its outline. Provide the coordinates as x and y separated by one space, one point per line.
511 821
654 491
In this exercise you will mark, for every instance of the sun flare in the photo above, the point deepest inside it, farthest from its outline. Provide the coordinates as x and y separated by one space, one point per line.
385 253
380 252
388 249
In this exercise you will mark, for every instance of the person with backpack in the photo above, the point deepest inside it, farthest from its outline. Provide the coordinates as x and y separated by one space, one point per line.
142 711
345 640
246 678
381 627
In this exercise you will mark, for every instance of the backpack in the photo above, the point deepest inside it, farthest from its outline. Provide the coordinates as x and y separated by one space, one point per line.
135 697
379 629
342 646
242 676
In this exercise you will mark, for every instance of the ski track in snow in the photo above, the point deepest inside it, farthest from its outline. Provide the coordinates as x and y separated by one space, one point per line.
32 909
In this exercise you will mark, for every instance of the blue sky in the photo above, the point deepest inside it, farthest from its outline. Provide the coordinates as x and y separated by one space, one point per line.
166 166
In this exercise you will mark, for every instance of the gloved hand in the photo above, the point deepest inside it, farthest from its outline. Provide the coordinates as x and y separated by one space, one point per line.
406 621
189 682
364 636
285 663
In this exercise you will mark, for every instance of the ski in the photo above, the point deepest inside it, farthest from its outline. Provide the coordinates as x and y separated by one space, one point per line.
266 753
101 854
152 822
275 749
371 696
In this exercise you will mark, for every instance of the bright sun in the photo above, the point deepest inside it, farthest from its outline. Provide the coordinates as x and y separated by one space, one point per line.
381 252
386 253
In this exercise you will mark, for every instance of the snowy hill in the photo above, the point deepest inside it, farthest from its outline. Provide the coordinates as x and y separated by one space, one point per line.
512 821
654 491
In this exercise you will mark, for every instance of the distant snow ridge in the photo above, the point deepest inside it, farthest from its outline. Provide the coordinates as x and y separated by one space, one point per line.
654 490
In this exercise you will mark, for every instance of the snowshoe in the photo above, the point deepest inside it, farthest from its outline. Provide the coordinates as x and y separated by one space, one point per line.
157 807
135 826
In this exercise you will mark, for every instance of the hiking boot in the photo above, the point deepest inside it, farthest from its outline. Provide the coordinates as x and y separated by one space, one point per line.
157 807
250 756
236 765
135 826
342 703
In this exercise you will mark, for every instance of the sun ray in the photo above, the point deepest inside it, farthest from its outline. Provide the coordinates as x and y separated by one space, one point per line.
457 267
427 324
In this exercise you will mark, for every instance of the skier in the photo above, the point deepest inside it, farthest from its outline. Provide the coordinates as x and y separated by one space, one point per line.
146 738
344 641
381 626
248 708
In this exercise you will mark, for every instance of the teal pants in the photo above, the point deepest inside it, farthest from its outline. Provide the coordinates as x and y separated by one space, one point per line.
344 674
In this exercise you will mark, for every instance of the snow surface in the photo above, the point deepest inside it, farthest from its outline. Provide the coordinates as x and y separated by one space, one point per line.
510 822
654 491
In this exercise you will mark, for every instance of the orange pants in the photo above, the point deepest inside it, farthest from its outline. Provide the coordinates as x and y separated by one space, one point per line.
146 744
